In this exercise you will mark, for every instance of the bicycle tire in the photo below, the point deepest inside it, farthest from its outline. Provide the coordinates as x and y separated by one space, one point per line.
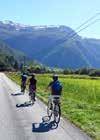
57 113
49 111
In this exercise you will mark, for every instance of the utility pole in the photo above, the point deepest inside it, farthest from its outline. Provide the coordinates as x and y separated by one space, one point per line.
24 60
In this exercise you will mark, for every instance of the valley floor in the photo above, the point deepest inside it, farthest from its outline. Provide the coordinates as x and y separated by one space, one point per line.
80 100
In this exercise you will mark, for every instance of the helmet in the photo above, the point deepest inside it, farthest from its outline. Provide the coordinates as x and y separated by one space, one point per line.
55 77
24 73
33 75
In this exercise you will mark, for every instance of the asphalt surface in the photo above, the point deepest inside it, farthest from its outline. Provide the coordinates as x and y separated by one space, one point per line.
26 122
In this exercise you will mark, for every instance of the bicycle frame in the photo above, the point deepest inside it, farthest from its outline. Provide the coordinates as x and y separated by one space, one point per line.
53 97
53 104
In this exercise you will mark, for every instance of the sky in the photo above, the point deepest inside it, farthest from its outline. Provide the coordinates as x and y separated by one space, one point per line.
71 13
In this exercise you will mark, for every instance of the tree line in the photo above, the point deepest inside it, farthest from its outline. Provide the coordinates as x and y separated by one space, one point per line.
83 71
9 63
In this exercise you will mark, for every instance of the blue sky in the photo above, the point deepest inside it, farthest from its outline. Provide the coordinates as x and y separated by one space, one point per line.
52 12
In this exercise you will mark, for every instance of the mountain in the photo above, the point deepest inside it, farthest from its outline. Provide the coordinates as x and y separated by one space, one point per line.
9 57
51 45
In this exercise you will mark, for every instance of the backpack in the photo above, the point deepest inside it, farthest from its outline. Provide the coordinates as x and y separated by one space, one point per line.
57 87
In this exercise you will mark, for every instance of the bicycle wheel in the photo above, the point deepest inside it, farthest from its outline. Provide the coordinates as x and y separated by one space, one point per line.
57 113
49 110
32 97
23 88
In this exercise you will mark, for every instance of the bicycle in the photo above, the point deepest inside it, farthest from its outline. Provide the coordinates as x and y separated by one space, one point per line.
32 92
32 97
53 108
23 87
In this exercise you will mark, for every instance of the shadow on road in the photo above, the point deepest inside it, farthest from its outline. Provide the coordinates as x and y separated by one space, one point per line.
44 126
25 104
16 94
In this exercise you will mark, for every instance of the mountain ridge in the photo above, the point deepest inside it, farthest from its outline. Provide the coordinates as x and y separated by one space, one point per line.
52 46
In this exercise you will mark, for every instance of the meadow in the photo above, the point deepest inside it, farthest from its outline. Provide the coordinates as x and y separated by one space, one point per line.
80 102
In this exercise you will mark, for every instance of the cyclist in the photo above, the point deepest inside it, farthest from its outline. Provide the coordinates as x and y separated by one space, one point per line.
56 89
23 82
32 88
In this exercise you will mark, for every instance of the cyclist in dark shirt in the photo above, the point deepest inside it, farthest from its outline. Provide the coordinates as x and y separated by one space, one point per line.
32 88
56 90
53 86
23 82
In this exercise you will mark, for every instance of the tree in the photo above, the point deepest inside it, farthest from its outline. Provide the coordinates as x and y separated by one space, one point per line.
67 71
16 66
11 60
94 72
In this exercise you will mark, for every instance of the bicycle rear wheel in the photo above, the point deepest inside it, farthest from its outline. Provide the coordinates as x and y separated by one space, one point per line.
57 113
49 109
23 88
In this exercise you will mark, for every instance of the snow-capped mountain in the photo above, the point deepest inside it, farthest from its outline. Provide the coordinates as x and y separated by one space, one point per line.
50 45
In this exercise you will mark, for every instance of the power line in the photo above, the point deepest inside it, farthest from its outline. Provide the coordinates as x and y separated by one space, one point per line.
91 18
79 29
88 25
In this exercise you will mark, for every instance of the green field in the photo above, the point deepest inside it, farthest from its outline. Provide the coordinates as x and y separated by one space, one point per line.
80 100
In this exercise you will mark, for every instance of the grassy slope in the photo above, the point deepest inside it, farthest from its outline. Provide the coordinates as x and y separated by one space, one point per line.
80 100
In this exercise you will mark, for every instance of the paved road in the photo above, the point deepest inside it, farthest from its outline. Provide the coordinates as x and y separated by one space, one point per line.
25 123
